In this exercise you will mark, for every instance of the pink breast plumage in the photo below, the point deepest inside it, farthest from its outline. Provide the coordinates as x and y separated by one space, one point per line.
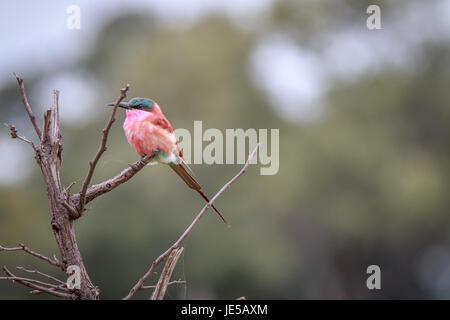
144 136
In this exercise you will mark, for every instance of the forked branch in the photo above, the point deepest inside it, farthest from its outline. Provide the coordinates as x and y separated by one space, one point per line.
15 135
166 274
51 289
27 105
177 243
22 247
101 149
66 207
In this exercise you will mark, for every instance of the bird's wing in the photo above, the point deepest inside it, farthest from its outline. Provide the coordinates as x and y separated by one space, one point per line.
163 123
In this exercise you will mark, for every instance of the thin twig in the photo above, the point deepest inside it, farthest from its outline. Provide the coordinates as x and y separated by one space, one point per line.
166 274
61 287
14 135
97 190
32 284
35 254
67 190
161 258
101 149
49 285
168 284
42 274
27 105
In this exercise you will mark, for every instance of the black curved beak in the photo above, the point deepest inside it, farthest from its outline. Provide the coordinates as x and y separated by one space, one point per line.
124 105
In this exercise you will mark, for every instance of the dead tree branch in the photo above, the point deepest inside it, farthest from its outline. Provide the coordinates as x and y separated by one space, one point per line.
97 190
166 274
27 105
15 135
38 285
168 284
65 207
48 155
61 286
101 149
22 247
177 243
42 274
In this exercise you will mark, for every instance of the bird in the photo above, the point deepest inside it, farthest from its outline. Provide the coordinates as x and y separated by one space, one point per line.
150 133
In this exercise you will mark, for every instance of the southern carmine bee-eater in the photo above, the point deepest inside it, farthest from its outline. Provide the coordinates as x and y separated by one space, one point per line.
149 132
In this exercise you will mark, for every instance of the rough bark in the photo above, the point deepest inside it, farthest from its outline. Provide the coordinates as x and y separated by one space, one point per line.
48 157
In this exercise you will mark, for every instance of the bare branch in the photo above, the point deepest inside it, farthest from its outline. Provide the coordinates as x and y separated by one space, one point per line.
62 208
65 207
42 274
27 105
97 190
168 284
61 287
102 148
164 255
22 247
49 285
14 135
166 274
67 190
37 285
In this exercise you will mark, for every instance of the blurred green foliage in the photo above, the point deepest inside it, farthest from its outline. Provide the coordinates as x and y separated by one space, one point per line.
366 183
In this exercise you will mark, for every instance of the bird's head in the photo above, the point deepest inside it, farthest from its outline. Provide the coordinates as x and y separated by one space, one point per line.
144 104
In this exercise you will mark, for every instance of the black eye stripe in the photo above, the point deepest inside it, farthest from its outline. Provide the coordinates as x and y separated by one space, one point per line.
143 107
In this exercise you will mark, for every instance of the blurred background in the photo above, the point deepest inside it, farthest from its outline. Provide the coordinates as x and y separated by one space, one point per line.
364 143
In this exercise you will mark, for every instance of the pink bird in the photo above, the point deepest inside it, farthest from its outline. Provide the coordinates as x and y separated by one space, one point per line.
149 132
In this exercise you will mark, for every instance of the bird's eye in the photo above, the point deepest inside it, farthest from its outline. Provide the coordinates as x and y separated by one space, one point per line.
144 107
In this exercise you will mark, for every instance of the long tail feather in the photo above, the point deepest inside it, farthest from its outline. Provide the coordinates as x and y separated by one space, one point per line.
185 173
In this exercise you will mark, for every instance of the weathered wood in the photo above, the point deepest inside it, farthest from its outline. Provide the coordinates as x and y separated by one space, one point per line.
48 157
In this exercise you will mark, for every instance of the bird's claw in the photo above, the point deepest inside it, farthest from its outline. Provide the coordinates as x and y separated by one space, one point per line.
142 162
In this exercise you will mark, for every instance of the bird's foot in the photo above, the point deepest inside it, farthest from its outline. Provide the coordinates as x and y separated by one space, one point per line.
142 161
